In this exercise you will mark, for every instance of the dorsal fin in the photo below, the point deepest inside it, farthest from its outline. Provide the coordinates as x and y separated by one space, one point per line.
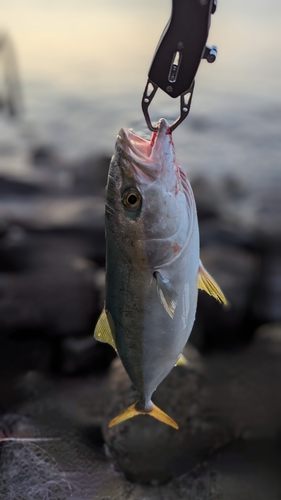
104 331
207 283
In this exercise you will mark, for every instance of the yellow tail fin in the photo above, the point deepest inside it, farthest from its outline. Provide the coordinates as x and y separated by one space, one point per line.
133 412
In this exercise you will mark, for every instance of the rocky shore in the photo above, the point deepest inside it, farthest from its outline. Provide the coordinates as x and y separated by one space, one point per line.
59 387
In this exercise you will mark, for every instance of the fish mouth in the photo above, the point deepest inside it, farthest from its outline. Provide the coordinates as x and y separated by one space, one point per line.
143 154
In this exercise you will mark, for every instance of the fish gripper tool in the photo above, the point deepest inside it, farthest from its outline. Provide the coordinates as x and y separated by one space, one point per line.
178 55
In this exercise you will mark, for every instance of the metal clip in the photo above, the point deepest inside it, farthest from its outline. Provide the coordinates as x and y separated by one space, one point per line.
179 53
184 105
210 53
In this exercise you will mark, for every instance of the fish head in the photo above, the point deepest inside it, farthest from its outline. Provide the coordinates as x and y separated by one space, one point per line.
147 192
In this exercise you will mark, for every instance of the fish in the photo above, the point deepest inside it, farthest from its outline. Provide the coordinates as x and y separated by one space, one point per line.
153 267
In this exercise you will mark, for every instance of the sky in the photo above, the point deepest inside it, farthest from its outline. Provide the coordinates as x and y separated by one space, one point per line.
109 44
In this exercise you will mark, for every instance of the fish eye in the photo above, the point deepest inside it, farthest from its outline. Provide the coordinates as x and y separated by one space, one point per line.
131 199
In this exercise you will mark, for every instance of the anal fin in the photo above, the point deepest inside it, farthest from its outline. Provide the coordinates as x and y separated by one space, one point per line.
182 361
207 283
104 331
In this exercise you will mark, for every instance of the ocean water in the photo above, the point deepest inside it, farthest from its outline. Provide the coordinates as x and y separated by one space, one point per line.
84 64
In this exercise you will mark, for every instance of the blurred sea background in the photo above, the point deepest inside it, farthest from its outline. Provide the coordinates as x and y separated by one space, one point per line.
83 67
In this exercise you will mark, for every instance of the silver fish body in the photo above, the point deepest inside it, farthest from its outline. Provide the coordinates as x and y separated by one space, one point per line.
161 237
153 268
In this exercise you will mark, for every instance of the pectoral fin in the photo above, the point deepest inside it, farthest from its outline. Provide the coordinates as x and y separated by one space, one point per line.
207 283
182 361
104 331
167 294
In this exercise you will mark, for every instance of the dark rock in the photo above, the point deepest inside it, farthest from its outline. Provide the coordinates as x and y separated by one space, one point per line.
244 385
182 395
55 177
237 272
267 215
45 213
90 175
99 284
207 197
218 232
20 355
231 399
44 155
3 228
16 425
267 297
54 296
242 471
49 458
11 187
44 289
233 187
215 401
269 335
14 249
81 355
258 211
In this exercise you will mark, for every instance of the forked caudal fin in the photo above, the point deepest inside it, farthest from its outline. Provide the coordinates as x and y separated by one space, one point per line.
133 412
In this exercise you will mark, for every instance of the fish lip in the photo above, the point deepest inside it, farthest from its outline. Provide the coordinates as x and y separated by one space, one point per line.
133 145
143 149
148 158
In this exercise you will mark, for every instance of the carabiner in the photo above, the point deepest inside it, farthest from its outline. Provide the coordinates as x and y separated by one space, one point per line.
178 55
184 105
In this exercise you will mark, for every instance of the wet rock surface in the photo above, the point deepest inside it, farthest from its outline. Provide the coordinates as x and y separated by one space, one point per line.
55 440
215 401
183 397
52 251
237 271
